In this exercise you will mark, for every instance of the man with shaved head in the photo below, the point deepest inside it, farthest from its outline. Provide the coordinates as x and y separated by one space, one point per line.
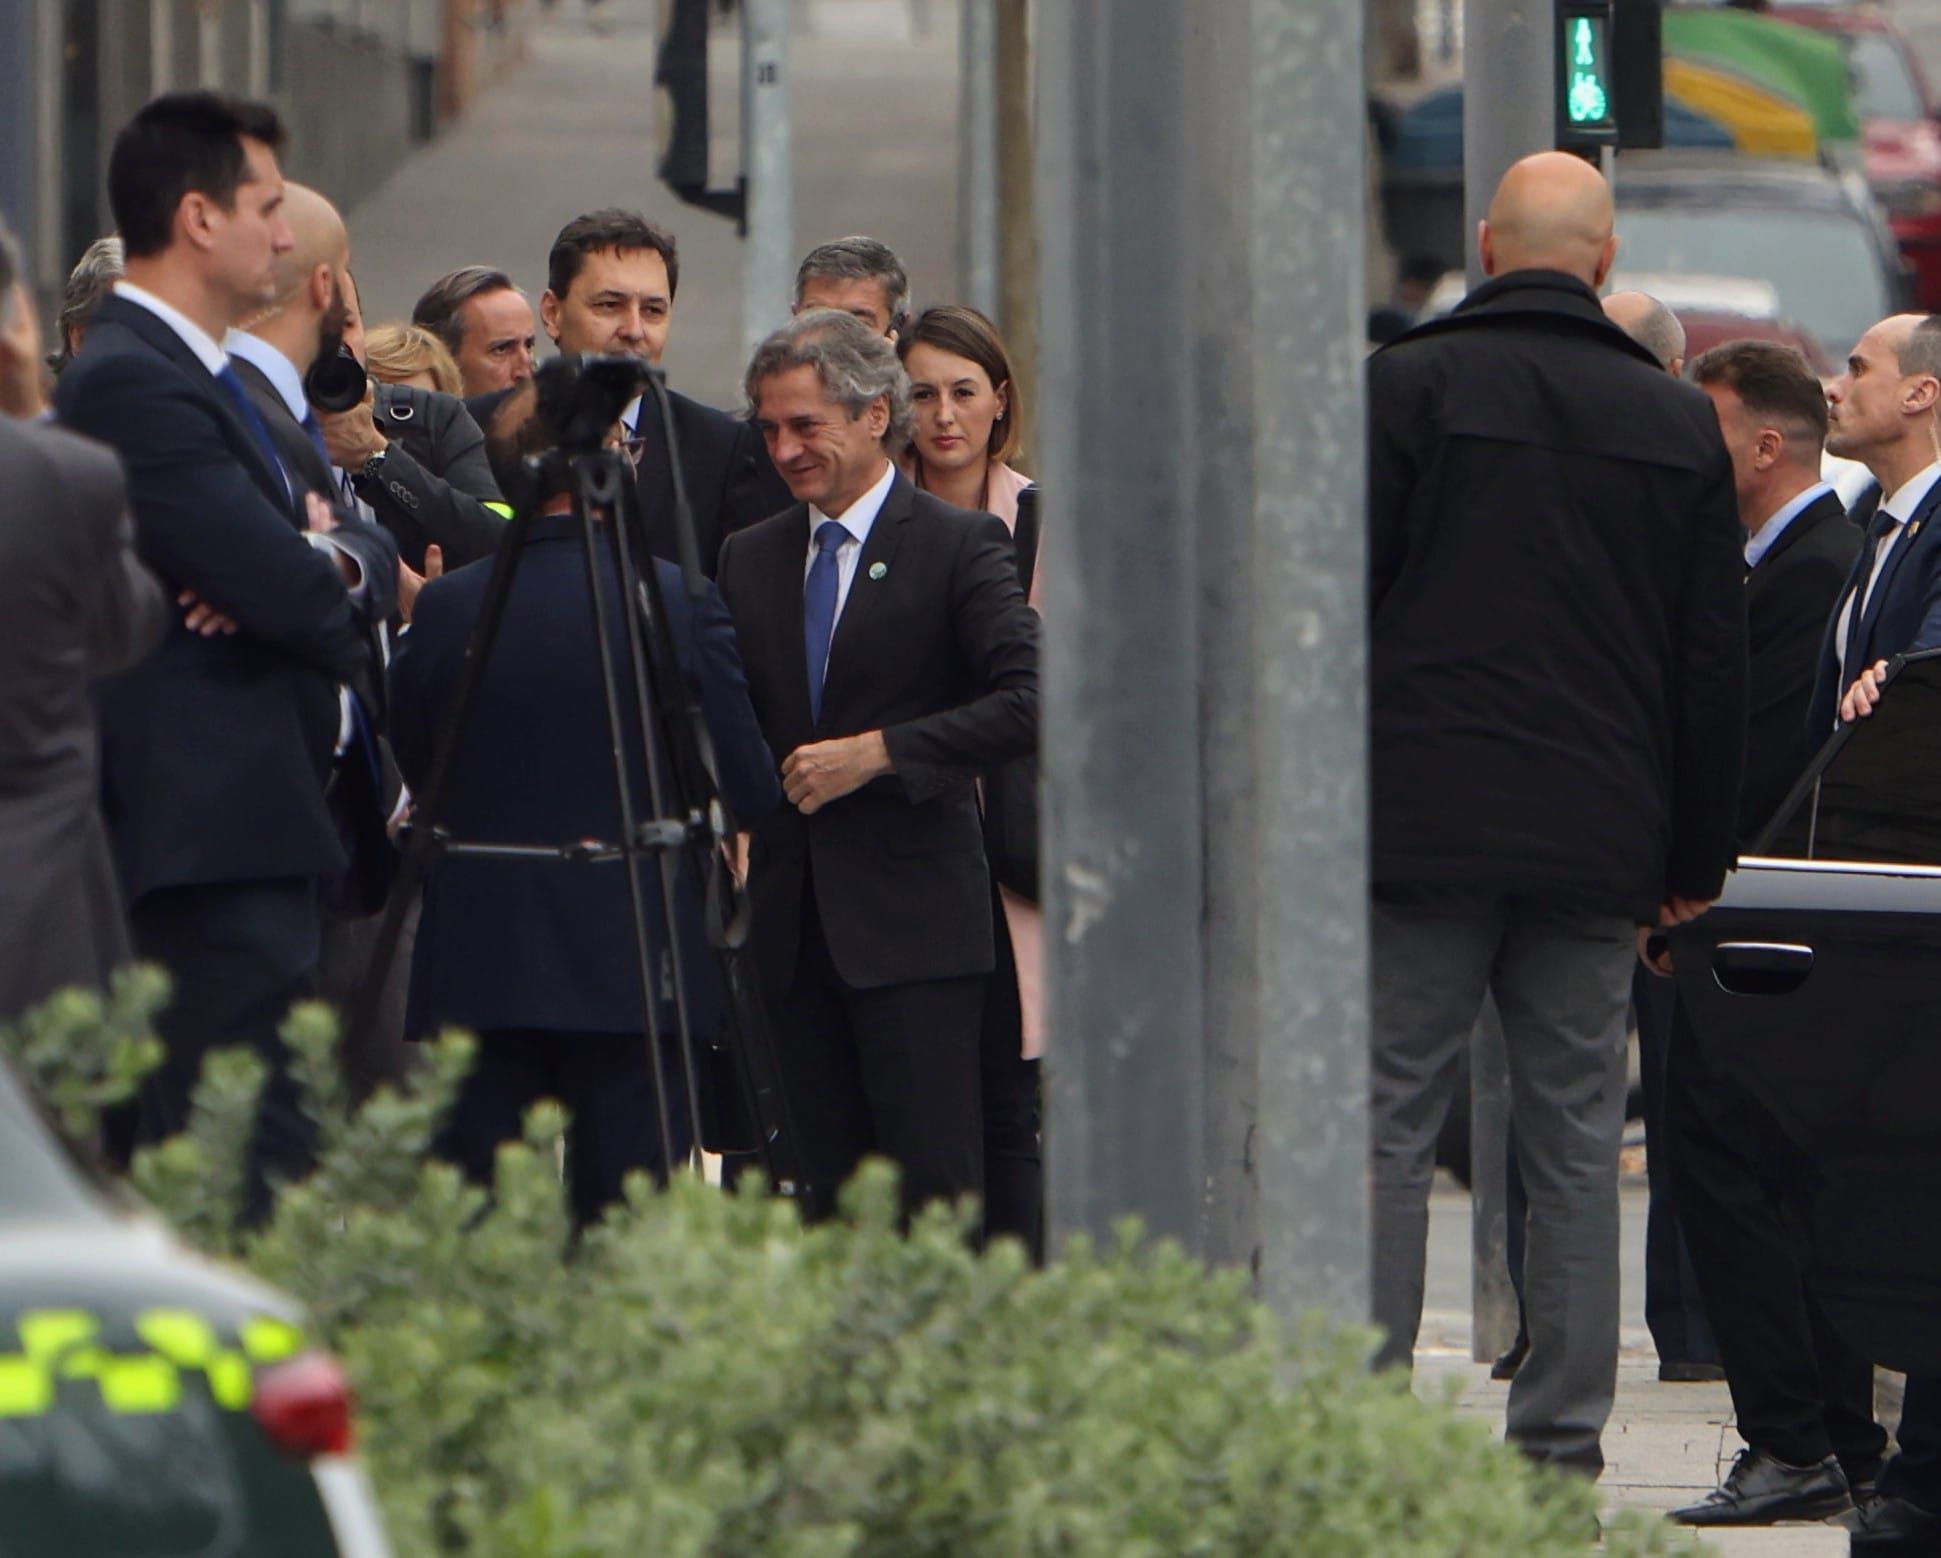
1652 325
1558 680
1881 412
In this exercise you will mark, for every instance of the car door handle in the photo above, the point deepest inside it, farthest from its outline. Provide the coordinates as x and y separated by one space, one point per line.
1761 967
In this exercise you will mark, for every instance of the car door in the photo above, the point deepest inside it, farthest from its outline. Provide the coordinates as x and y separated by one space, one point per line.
1815 982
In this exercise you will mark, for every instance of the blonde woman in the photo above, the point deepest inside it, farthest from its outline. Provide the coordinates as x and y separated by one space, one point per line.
410 354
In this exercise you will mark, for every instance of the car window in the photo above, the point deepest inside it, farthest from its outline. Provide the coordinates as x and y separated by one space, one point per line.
1879 796
1883 86
1824 267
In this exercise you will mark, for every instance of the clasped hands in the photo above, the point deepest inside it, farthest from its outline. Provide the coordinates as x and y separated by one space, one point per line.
825 771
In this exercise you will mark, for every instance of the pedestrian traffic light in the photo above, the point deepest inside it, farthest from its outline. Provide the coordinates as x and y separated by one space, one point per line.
1610 79
1587 115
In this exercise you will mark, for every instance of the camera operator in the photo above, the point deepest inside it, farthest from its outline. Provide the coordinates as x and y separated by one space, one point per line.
418 459
537 956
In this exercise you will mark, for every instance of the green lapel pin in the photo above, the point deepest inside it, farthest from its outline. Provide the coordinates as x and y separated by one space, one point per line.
878 570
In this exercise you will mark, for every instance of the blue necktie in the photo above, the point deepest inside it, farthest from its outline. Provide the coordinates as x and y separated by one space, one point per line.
253 420
315 429
819 608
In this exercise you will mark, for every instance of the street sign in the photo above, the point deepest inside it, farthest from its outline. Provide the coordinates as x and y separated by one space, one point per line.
1587 116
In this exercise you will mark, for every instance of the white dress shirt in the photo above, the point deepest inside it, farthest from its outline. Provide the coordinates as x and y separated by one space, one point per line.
1759 545
857 519
1898 506
197 339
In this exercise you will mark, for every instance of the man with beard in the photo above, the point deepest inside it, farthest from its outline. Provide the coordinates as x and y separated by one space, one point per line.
215 751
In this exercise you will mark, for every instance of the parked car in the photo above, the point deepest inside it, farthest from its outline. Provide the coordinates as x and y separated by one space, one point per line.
1815 981
154 1404
1814 235
1901 141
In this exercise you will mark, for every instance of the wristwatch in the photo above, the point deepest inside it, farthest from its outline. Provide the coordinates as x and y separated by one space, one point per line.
374 466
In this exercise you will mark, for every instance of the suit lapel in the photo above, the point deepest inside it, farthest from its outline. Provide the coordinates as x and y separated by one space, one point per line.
1826 506
292 442
1917 524
784 615
874 577
164 340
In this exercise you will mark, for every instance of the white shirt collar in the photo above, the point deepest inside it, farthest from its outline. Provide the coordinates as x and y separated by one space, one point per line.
1757 546
860 515
197 339
630 418
1907 497
274 366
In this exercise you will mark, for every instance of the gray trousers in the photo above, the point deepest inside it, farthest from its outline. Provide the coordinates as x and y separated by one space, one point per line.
1562 982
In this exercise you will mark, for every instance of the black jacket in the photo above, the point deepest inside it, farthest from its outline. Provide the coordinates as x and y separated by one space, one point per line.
214 751
1557 611
1791 594
545 944
731 482
434 483
936 648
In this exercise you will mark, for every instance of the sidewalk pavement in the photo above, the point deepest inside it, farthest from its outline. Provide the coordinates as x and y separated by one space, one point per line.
1666 1445
574 129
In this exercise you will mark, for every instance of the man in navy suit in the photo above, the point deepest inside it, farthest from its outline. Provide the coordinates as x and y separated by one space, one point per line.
1881 412
216 751
538 957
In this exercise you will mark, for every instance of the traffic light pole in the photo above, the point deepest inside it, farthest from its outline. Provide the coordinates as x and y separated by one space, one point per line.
1509 111
768 252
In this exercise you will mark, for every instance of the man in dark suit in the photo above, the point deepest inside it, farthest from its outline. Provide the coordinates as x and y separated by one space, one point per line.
1802 1397
1557 633
417 459
538 956
611 283
892 659
216 751
75 602
1883 413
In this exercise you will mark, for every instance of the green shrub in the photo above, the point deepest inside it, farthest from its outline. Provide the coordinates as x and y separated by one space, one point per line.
703 1376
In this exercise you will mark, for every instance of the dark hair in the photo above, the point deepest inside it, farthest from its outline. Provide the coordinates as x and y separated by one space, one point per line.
625 232
437 310
1774 383
964 332
859 259
182 143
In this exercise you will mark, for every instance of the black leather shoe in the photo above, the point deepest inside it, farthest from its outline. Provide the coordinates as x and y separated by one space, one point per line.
1892 1525
1505 1367
1762 1489
1690 1373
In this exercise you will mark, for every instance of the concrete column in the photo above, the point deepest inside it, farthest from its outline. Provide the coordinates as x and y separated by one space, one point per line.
977 157
768 254
1200 196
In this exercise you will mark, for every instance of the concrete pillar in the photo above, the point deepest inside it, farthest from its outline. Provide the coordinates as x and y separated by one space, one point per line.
1200 198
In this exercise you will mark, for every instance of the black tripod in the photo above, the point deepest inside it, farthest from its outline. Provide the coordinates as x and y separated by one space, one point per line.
685 818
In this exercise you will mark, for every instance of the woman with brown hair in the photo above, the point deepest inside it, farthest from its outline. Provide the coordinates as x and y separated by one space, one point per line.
966 409
410 354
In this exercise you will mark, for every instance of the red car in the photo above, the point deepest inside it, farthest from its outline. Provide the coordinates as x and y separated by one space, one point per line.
1902 142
